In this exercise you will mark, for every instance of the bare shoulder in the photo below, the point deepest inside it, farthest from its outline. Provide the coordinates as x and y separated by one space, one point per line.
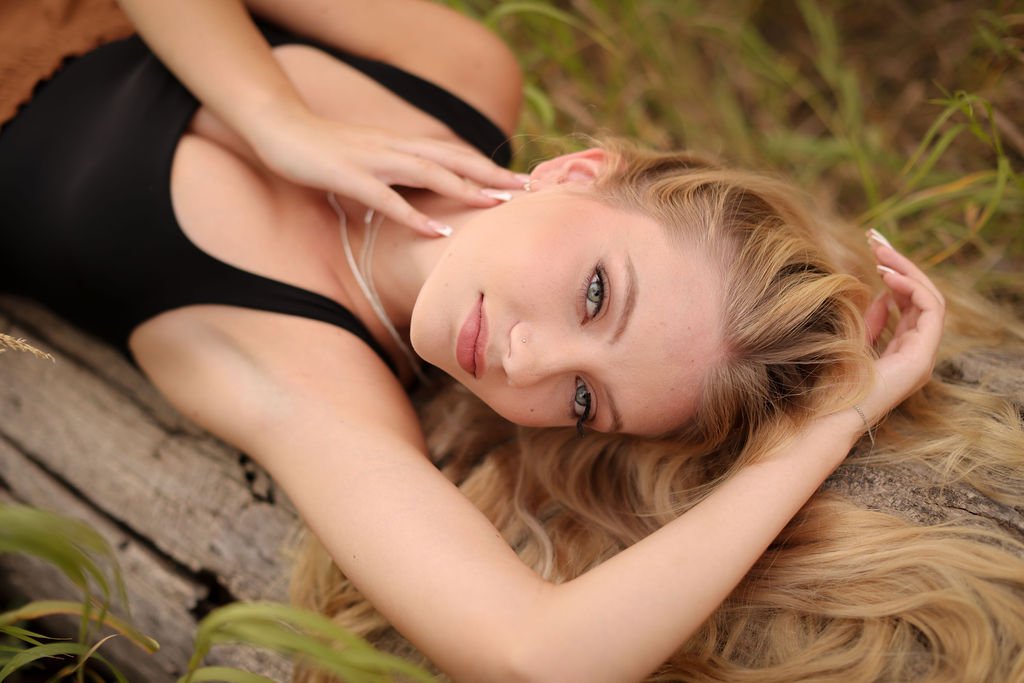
464 57
423 37
255 378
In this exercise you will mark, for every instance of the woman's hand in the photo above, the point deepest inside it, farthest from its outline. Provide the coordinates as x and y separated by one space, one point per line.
906 363
216 51
363 163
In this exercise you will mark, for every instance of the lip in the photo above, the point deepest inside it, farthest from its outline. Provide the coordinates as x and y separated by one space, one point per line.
472 341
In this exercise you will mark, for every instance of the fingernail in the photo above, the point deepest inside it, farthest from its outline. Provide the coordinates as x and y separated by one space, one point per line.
496 194
523 178
878 238
885 269
440 228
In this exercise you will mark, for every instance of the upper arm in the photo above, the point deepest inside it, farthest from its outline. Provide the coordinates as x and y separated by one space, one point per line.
239 372
336 432
427 39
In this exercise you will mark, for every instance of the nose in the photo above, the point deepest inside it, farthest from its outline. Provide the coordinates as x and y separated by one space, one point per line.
535 355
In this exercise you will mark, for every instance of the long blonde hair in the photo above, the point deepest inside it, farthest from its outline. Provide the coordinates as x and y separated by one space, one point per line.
845 593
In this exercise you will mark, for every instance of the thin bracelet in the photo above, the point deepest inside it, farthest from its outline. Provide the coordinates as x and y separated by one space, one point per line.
864 419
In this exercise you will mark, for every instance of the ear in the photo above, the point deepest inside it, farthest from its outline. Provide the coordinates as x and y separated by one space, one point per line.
580 168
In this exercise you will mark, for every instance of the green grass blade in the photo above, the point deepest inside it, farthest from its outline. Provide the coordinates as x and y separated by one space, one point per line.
537 100
23 634
34 654
940 147
543 9
224 674
45 608
313 638
91 656
68 544
926 141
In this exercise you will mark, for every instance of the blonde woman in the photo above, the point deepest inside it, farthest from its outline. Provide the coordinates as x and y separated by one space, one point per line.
250 252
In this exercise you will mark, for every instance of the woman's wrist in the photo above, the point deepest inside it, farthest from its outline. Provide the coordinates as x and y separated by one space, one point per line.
848 425
826 439
275 125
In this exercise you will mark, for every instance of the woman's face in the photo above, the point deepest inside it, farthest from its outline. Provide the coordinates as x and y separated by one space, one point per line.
555 306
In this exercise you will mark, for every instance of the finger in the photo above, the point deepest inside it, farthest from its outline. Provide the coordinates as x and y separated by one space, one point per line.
457 157
388 202
900 287
412 171
909 314
903 290
901 263
888 256
465 162
921 313
875 317
910 292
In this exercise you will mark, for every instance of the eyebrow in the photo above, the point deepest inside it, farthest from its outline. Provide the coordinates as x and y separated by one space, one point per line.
627 312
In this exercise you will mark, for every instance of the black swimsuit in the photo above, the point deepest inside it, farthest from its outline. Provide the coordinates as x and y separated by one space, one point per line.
85 204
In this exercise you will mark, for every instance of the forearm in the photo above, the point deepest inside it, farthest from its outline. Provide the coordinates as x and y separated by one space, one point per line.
619 621
436 569
216 51
425 557
371 28
426 38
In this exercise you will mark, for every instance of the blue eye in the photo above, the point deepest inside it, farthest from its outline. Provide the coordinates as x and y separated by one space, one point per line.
581 401
594 295
581 404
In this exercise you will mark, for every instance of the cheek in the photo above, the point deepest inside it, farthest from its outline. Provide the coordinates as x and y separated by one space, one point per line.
436 310
522 407
540 279
430 332
419 336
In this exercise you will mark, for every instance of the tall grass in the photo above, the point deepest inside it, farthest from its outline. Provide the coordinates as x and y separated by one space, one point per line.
905 116
7 342
89 563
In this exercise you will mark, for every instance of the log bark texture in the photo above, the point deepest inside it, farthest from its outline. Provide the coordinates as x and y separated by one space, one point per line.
196 524
914 494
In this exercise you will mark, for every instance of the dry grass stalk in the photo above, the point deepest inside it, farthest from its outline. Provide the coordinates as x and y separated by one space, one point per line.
9 342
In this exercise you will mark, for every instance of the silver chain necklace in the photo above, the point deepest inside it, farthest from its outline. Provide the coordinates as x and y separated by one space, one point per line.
364 276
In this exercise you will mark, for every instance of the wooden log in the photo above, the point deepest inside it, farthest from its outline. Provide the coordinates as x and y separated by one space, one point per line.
913 493
163 599
195 524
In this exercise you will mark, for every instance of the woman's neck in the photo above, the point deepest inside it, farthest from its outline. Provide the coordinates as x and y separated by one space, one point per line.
402 259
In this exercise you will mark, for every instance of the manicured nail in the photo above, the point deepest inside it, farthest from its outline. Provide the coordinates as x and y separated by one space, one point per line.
440 228
523 178
885 269
496 194
878 238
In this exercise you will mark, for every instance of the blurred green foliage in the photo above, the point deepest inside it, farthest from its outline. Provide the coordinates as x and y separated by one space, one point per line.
903 115
89 563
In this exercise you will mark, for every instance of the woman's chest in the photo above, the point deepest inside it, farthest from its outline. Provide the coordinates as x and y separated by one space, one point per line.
243 216
234 209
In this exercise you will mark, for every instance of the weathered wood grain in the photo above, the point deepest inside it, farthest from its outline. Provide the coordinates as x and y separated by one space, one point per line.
162 598
914 494
195 523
